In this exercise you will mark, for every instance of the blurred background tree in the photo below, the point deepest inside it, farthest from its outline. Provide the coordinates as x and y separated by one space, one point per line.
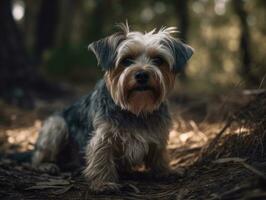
182 12
18 76
46 26
49 38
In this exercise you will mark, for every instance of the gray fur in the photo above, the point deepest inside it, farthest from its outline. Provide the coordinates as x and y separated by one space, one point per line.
105 50
103 135
115 138
110 50
181 51
54 134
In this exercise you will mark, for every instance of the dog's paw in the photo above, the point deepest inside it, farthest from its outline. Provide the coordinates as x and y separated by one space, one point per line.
105 187
49 168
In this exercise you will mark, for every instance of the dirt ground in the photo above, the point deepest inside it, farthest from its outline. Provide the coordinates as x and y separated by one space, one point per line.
217 141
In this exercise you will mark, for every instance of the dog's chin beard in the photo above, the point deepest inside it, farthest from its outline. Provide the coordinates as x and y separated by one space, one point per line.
135 98
139 100
142 100
141 89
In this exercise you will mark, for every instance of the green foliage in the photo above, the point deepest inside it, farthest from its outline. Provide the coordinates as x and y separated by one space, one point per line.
72 63
214 31
64 59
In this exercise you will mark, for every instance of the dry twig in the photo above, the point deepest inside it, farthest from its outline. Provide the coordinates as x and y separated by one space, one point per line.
243 163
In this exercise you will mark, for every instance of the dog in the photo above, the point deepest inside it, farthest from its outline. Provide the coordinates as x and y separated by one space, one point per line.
124 123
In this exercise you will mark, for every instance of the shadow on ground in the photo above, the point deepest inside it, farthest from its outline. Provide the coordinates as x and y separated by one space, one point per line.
219 143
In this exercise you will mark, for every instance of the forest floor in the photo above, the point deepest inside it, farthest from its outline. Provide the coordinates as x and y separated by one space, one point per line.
218 140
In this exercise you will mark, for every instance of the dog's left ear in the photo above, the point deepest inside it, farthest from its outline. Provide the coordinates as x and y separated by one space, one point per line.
182 53
105 50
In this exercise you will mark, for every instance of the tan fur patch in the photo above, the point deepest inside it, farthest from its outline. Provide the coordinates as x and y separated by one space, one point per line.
121 84
141 100
169 77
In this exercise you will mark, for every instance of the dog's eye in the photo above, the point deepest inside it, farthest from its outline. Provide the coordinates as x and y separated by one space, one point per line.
127 61
158 61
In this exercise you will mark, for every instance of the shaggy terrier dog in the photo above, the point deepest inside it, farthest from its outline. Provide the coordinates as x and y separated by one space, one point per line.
124 123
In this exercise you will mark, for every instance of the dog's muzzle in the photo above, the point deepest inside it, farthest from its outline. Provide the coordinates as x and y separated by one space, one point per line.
142 77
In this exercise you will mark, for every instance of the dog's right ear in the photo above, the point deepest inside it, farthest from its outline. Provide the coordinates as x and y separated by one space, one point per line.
105 50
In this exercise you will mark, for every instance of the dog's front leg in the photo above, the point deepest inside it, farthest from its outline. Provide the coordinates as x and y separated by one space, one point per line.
158 161
100 166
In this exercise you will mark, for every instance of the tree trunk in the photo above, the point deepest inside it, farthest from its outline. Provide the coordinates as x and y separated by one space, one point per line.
98 19
46 26
244 43
29 24
19 81
65 21
183 19
78 23
15 73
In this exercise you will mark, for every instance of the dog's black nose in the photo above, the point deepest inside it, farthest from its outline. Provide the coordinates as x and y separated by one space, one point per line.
142 77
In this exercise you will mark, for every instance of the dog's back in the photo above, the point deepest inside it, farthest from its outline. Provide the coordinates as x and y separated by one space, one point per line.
64 136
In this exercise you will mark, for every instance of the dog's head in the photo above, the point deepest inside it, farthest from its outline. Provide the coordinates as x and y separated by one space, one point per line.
140 68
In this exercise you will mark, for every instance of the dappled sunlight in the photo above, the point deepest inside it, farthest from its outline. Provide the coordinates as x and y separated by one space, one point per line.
216 146
215 54
23 138
193 142
18 10
192 138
